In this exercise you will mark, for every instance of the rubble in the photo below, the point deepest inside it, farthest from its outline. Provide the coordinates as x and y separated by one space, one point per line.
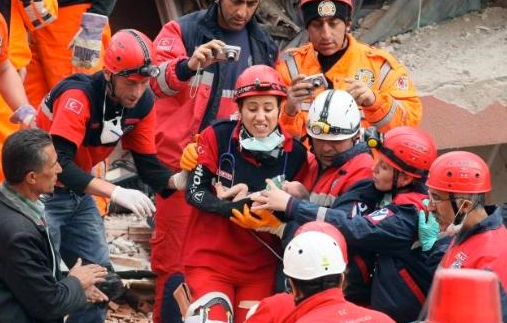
128 238
460 61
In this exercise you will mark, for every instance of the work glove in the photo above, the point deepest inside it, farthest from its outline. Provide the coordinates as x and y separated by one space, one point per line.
25 115
428 229
225 208
37 14
180 180
87 42
188 160
261 220
134 200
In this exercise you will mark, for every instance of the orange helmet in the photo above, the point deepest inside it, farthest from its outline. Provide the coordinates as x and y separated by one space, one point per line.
460 295
407 149
260 80
459 172
328 229
130 53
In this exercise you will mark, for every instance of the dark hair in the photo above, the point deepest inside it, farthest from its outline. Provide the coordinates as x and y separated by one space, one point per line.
23 152
311 287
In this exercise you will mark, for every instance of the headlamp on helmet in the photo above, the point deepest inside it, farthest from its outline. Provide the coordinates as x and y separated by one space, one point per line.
322 127
148 70
372 137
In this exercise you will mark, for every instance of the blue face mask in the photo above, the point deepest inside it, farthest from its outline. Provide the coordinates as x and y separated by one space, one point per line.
264 144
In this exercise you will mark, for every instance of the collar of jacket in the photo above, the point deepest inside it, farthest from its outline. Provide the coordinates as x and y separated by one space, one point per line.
340 159
491 222
209 27
327 297
5 200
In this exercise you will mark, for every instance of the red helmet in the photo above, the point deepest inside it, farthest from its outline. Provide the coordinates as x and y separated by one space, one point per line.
464 295
347 2
459 172
408 150
260 80
130 53
328 229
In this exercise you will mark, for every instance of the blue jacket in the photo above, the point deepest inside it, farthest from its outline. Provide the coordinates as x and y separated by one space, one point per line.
402 272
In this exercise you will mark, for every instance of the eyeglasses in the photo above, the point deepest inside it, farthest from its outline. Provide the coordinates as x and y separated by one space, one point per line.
434 199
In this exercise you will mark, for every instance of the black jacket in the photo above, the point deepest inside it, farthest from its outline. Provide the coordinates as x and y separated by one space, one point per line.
31 287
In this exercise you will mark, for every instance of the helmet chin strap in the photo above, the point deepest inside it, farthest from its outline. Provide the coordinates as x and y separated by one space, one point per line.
394 187
110 87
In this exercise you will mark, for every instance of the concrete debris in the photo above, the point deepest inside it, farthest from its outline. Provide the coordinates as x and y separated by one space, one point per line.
128 238
125 314
460 61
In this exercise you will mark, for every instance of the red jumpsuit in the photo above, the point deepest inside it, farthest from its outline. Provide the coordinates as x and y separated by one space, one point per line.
221 256
329 306
181 114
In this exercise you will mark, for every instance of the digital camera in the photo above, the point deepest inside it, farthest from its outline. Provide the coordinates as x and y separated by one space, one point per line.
316 80
228 53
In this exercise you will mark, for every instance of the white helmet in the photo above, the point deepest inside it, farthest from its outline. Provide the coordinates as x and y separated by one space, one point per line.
333 115
311 255
198 311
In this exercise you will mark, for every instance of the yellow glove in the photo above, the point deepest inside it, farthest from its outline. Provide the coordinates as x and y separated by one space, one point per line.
260 219
188 160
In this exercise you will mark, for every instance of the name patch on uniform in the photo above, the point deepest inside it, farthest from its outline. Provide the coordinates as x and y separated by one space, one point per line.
326 9
166 43
74 105
365 76
379 215
223 174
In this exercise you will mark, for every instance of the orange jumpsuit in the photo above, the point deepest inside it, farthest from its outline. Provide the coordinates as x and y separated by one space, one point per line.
51 60
396 101
19 55
6 45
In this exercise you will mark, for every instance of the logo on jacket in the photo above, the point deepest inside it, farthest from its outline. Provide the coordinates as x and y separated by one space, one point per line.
459 259
402 83
198 196
165 43
74 105
365 76
326 9
379 215
358 209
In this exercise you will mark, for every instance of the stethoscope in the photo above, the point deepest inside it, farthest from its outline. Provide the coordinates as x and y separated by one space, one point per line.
228 158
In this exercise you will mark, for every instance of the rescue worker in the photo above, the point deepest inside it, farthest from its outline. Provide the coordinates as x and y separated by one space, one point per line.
13 97
87 115
32 287
377 81
73 43
221 256
277 308
195 88
314 265
383 220
458 182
